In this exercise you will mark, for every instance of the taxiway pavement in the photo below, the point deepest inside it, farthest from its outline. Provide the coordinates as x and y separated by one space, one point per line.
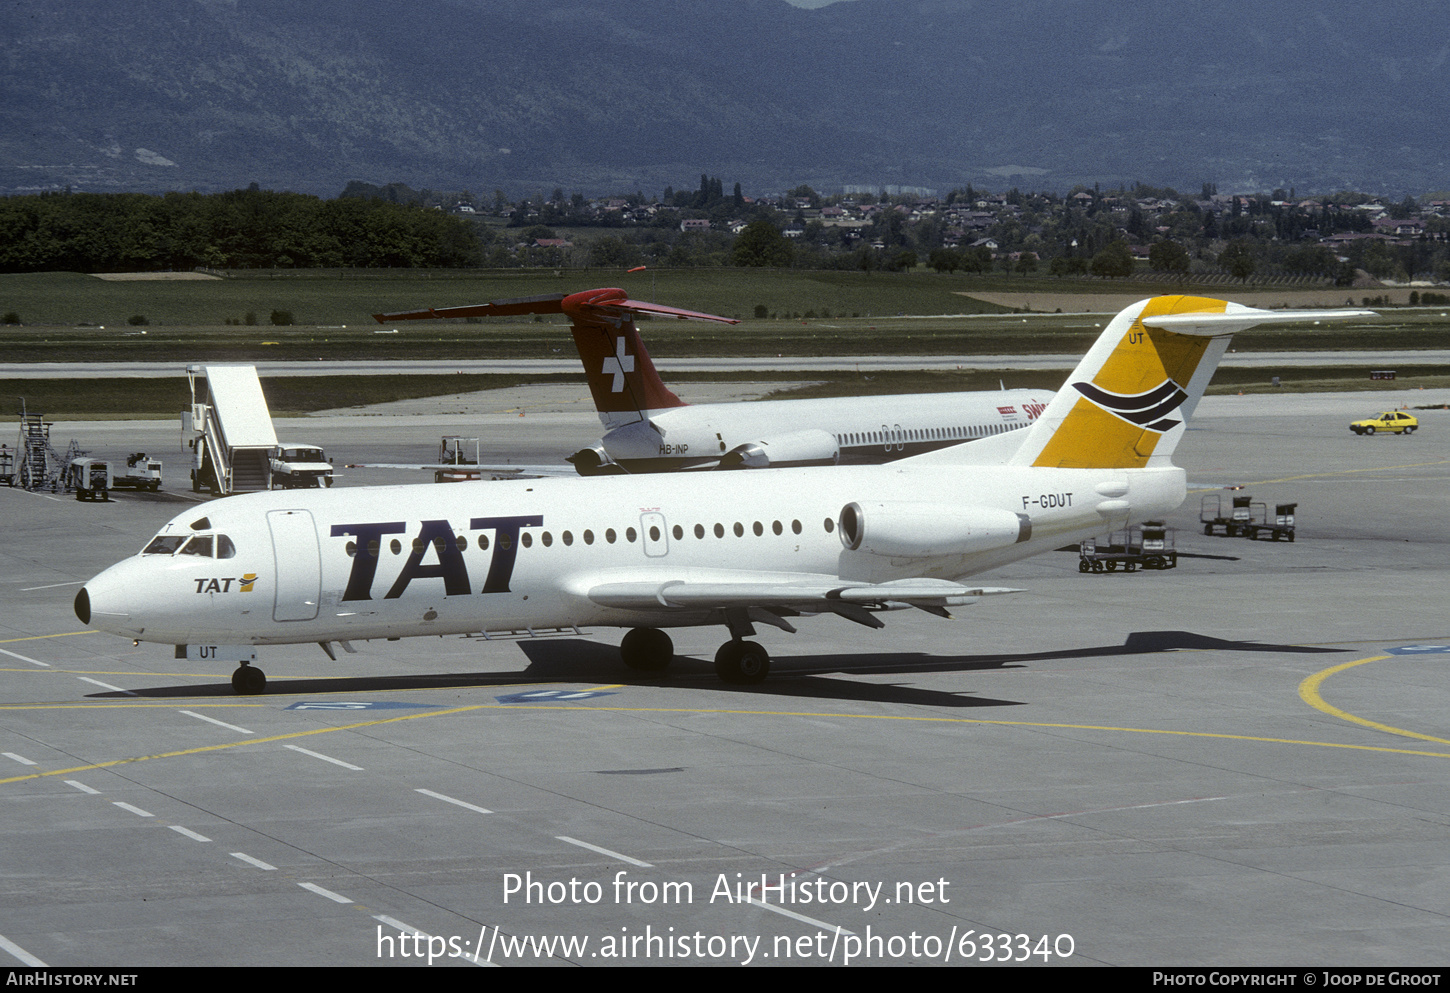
1241 761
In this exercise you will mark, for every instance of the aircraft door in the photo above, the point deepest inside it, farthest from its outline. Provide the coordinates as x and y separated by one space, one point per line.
655 538
297 565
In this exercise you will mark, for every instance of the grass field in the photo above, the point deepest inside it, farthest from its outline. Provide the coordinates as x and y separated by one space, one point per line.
72 317
69 317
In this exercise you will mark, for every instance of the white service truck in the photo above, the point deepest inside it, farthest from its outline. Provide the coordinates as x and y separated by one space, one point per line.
300 467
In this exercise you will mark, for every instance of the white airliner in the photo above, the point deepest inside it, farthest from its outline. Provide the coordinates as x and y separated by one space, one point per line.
649 429
659 551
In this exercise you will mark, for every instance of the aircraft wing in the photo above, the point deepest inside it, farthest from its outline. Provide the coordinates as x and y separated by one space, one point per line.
595 303
803 594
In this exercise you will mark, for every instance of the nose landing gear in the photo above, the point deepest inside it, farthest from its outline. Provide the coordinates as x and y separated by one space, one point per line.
248 680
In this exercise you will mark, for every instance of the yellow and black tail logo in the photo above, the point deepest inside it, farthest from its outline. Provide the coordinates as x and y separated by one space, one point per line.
1149 410
1127 388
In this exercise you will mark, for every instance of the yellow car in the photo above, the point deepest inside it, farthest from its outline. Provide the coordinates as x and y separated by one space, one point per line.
1390 420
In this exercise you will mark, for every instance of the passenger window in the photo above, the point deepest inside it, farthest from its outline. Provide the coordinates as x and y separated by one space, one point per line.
654 534
679 532
609 535
776 527
699 530
830 525
719 530
568 537
758 529
630 534
739 529
526 539
588 537
483 543
396 547
547 538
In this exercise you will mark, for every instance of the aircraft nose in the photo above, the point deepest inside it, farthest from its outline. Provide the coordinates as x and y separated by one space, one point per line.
105 602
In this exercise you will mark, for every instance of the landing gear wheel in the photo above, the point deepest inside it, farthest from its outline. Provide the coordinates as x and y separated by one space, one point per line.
742 662
647 649
248 680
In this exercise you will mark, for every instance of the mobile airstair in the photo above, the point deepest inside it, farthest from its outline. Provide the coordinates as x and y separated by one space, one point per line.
232 438
35 464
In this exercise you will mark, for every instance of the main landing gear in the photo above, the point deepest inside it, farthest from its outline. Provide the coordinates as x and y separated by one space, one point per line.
650 650
647 649
248 680
742 662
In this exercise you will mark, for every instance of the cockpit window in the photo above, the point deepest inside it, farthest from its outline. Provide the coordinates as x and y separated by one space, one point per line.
164 544
199 545
224 547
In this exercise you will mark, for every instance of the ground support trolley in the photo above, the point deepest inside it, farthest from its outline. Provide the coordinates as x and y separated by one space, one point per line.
1282 526
1211 515
1149 545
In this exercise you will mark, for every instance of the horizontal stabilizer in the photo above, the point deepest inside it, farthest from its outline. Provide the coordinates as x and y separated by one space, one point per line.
596 304
1238 318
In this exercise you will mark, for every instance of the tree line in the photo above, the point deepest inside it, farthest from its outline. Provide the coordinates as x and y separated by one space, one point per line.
252 228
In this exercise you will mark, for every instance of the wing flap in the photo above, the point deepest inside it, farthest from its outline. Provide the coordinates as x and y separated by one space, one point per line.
825 593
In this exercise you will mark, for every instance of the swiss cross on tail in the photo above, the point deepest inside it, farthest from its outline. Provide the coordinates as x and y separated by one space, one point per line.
622 378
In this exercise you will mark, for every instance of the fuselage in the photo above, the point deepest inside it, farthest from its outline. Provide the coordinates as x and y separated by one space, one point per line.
386 562
852 430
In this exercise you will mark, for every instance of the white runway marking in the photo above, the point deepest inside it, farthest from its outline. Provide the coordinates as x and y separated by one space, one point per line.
24 658
213 720
326 758
107 686
133 809
461 803
604 851
20 953
188 832
251 861
17 758
334 897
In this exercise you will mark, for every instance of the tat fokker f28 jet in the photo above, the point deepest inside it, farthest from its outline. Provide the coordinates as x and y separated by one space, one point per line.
658 551
649 429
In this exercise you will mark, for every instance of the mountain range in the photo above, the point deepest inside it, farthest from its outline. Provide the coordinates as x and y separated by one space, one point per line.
608 96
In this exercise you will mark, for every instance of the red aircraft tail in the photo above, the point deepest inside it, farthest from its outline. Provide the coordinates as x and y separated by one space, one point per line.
622 378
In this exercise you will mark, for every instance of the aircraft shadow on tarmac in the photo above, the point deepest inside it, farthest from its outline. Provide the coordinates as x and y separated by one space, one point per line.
798 676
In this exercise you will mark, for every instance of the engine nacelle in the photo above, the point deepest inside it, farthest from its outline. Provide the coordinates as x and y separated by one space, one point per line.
815 447
594 462
926 530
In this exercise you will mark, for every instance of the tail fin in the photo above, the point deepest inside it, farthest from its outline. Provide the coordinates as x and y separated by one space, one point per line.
1126 403
622 378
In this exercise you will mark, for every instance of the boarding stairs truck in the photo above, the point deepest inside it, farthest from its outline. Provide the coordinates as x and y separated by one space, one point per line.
230 427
